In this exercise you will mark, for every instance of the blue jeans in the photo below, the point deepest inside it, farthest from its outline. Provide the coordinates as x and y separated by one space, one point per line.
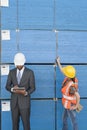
72 115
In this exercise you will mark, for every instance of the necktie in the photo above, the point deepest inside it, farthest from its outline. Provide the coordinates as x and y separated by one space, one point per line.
19 77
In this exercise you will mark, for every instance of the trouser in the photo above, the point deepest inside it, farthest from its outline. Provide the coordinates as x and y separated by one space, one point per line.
72 115
25 116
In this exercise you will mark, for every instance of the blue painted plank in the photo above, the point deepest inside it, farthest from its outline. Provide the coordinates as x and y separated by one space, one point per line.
72 47
43 115
9 48
9 16
6 121
71 14
4 93
44 78
81 117
36 14
38 46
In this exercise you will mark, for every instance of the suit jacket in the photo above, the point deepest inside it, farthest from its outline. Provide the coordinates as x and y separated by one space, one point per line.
27 81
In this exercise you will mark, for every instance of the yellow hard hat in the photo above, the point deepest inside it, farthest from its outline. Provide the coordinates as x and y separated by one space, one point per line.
69 71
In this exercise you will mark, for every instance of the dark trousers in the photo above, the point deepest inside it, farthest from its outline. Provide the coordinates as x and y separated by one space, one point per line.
25 116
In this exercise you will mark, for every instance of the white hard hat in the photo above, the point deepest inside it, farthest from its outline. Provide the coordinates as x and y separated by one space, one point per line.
19 59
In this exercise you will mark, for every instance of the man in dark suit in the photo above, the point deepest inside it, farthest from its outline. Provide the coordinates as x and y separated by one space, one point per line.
20 86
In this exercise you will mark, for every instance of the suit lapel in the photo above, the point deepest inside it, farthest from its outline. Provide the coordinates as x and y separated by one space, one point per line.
15 73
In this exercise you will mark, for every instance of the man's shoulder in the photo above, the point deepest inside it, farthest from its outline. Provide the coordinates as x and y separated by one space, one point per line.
13 70
28 69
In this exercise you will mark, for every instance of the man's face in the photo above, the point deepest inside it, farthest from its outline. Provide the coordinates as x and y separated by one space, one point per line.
19 67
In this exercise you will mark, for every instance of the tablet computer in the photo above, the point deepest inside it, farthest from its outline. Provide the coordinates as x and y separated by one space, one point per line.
19 88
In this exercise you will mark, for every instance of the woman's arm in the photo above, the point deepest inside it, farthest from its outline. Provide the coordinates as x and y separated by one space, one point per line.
58 62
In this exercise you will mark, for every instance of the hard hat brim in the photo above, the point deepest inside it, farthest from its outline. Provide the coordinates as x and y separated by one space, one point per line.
18 63
68 74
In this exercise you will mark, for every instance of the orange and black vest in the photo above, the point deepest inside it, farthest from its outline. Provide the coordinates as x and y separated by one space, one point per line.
68 99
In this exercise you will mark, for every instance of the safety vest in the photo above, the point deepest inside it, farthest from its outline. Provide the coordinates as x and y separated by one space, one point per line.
67 99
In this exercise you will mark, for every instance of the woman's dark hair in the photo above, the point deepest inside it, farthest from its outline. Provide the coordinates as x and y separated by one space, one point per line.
73 79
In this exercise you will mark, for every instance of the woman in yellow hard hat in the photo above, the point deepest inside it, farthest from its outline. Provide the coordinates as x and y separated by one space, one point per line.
70 95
